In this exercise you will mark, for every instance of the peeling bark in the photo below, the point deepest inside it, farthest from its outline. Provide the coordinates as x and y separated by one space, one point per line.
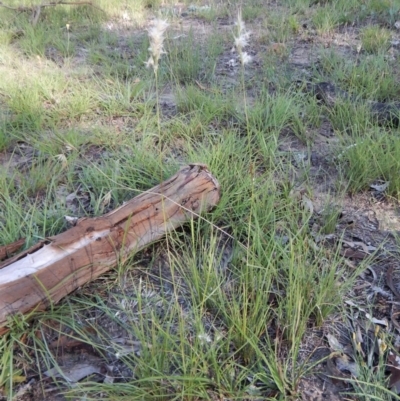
51 269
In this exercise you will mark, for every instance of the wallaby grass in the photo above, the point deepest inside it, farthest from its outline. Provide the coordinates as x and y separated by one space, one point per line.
367 77
375 39
230 330
370 157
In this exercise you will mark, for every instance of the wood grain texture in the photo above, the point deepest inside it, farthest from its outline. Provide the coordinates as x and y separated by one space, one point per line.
7 250
50 270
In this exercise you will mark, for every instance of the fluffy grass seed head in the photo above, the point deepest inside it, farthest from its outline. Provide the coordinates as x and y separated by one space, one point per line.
156 37
204 338
242 40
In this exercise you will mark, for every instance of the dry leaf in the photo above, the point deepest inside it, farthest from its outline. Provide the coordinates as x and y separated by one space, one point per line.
393 363
353 254
307 203
334 343
75 373
380 187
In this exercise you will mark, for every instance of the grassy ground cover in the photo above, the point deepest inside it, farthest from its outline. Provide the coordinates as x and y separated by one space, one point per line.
289 288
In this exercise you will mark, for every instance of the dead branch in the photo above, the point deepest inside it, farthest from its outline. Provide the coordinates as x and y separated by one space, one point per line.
51 269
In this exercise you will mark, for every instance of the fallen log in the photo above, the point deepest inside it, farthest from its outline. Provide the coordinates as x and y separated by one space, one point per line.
53 268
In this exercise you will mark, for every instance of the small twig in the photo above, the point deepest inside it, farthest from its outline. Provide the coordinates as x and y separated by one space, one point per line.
390 283
204 88
36 15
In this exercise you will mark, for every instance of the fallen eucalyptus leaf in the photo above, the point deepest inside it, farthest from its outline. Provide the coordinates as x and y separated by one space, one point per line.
334 343
73 374
380 187
307 203
393 363
381 322
343 363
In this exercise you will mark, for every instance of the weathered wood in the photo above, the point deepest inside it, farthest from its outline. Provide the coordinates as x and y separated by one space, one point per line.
7 250
54 268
